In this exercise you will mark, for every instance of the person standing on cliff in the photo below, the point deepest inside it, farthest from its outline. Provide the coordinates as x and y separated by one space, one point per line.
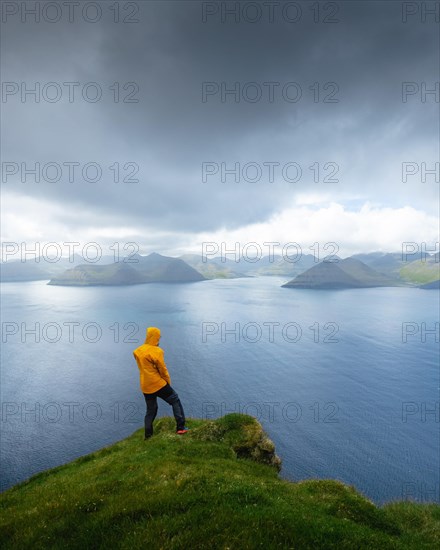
155 382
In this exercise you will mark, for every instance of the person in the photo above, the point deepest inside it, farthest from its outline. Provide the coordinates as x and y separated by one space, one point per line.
155 382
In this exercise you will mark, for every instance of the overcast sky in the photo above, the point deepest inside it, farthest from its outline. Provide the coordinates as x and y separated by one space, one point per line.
318 88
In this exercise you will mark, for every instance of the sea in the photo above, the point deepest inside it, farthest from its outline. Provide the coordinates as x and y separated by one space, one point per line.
345 382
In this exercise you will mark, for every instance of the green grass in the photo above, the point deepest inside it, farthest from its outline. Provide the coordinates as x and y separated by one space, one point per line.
215 487
421 272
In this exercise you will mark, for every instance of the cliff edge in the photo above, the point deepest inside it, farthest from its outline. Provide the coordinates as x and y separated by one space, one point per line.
215 487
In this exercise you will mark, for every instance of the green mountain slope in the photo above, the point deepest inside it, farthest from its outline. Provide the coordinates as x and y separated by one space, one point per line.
215 487
388 263
211 269
421 271
348 273
89 275
407 268
141 269
275 265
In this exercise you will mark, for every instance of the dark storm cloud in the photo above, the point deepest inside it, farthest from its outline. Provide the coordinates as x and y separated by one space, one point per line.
170 132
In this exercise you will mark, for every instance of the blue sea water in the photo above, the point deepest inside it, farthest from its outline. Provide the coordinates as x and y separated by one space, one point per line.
346 383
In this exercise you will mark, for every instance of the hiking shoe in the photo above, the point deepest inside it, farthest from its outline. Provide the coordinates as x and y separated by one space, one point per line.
180 432
147 437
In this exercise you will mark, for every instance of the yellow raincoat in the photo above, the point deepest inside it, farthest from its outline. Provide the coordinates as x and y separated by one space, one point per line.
152 369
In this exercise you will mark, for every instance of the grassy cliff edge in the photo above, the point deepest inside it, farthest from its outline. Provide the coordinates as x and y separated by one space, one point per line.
215 487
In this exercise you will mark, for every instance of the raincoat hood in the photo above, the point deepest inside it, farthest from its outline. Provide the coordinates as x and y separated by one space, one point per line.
152 336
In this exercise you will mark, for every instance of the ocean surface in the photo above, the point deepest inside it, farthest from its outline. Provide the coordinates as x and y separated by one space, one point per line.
346 383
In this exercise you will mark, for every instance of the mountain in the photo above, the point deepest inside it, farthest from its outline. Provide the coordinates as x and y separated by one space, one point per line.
89 275
410 269
154 268
41 268
216 487
210 269
433 285
275 265
420 272
17 271
280 266
348 273
387 263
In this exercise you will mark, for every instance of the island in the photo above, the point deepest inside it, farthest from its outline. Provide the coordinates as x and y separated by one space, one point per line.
366 270
153 268
339 274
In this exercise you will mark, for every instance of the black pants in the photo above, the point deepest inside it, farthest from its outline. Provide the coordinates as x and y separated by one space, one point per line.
170 396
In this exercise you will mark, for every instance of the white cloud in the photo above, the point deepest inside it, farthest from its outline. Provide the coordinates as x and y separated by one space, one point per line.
369 228
311 218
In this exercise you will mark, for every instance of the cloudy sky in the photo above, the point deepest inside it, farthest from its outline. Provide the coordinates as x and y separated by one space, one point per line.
322 109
